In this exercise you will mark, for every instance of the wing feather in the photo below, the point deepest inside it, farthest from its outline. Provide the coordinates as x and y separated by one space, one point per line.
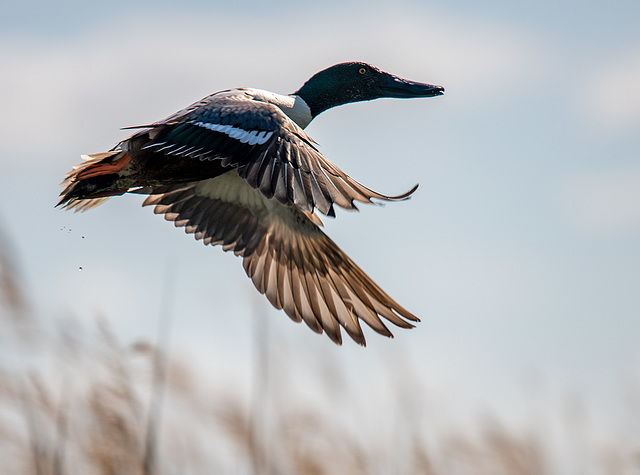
286 255
266 147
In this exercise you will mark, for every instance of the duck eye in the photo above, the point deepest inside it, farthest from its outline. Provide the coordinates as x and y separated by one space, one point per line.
362 70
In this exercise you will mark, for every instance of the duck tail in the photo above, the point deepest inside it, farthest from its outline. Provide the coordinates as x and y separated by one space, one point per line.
94 181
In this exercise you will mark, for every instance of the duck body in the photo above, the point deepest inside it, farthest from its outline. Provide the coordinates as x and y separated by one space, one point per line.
237 169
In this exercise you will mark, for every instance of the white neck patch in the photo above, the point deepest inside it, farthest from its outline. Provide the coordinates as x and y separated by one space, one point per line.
293 106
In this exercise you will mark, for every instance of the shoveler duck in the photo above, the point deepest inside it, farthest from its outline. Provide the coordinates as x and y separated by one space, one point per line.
237 169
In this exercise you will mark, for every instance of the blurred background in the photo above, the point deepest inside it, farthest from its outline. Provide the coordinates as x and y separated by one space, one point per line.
128 347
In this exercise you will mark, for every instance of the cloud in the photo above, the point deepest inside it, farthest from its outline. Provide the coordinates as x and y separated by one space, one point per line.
612 96
70 95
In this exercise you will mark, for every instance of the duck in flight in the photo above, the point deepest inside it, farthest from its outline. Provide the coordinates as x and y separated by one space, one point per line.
237 169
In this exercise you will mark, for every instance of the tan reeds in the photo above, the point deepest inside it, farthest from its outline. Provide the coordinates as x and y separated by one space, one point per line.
91 405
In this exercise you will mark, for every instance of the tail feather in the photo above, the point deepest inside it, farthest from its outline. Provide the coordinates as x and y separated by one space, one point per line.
81 205
92 182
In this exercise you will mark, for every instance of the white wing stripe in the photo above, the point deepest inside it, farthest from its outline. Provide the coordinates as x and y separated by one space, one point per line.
245 136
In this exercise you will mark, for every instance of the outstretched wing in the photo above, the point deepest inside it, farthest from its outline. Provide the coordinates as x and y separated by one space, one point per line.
267 148
288 258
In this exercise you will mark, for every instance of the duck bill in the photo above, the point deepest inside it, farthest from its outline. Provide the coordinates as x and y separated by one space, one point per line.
403 88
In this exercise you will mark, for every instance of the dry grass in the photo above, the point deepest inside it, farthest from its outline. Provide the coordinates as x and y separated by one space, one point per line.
100 426
90 405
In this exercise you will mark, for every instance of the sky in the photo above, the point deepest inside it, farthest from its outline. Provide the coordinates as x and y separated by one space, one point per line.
520 251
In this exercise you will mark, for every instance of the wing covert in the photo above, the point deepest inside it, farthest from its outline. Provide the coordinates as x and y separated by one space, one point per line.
268 149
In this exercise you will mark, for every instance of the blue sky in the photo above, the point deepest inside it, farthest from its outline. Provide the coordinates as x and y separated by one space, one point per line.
520 250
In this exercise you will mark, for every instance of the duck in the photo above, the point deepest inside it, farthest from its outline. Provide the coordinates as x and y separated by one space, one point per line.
237 169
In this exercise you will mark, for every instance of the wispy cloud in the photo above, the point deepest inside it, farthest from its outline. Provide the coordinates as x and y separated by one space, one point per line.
612 96
65 94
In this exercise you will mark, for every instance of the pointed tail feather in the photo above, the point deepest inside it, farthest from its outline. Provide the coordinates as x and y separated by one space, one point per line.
93 181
